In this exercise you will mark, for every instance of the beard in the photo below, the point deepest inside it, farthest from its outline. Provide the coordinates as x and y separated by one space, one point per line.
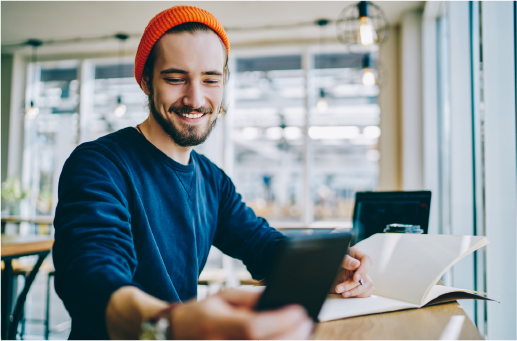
184 135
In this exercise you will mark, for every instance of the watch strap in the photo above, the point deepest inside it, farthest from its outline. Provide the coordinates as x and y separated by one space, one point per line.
158 327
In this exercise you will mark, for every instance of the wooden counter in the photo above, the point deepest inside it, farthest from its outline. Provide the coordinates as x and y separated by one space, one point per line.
427 323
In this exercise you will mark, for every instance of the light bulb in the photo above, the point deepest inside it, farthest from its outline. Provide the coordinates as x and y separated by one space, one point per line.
322 105
367 34
368 77
32 112
120 110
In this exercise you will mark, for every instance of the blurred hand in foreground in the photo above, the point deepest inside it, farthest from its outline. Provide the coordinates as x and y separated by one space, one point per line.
230 315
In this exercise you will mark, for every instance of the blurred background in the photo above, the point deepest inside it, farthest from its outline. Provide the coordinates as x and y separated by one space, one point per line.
325 99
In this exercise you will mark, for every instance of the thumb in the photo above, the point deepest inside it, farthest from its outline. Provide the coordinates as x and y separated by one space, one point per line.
350 263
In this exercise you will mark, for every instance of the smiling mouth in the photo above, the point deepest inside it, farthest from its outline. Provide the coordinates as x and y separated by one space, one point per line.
190 115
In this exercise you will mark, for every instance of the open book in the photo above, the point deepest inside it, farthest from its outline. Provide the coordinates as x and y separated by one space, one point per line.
405 270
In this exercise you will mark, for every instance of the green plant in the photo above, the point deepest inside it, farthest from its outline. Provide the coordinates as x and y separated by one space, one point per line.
12 190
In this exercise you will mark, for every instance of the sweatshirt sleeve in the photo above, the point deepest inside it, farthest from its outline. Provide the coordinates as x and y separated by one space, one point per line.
93 253
243 235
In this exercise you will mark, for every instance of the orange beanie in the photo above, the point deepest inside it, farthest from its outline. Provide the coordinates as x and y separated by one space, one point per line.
166 20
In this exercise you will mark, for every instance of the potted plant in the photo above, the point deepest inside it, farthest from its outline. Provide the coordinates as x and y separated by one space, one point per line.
12 194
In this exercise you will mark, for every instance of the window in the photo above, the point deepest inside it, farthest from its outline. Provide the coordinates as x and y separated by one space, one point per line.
278 102
268 120
54 88
344 135
293 166
113 81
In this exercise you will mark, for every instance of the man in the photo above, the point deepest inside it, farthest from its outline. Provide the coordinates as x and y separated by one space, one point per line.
139 209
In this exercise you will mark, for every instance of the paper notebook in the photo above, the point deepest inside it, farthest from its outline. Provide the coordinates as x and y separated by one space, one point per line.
405 270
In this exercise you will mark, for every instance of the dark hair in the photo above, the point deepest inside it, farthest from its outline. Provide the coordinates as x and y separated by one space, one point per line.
192 28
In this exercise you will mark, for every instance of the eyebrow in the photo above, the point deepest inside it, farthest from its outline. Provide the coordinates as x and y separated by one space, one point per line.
164 72
183 72
212 73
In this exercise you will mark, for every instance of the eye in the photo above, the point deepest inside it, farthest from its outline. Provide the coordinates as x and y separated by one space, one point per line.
212 81
174 80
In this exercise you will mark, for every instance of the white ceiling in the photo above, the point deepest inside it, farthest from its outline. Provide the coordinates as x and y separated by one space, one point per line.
22 20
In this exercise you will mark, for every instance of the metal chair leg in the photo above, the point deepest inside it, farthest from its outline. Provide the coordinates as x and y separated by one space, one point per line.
23 320
13 326
22 331
7 297
47 312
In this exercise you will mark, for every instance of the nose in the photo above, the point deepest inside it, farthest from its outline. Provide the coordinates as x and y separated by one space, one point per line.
194 96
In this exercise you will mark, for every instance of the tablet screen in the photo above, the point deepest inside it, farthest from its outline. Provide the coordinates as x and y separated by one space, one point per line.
304 272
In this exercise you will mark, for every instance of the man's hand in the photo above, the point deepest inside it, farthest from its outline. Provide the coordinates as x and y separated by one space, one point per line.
127 308
230 315
355 267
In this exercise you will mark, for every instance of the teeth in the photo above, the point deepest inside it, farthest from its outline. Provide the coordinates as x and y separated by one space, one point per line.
192 115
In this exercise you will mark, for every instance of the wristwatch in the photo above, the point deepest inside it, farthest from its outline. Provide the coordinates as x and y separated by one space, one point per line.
158 330
159 327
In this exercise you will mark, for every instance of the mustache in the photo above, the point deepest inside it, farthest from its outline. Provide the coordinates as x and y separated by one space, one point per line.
188 110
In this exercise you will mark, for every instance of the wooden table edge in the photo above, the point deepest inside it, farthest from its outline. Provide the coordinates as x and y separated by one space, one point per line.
330 330
19 249
47 220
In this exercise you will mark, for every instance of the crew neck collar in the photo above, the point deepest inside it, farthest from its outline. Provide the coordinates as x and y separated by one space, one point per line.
135 134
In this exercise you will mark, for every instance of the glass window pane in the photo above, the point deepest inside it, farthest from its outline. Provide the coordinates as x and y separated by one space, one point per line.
269 116
344 134
54 89
444 122
113 81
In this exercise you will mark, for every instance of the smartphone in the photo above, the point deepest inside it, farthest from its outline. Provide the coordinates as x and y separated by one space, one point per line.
304 272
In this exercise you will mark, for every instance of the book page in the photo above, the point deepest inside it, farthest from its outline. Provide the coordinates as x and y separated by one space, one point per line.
337 307
441 290
406 266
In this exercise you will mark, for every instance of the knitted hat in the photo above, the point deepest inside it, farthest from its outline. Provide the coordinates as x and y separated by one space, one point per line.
168 19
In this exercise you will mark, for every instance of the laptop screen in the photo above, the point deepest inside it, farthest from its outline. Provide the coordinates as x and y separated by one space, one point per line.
374 210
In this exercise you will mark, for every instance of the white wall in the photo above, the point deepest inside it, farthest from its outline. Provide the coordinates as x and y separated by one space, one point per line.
389 102
411 80
17 111
7 64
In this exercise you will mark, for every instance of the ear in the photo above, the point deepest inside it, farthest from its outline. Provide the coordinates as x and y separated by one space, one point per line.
144 83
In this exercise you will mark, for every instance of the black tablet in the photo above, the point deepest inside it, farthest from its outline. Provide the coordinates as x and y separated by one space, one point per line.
304 272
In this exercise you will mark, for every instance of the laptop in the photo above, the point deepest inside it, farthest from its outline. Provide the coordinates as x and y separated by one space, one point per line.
374 210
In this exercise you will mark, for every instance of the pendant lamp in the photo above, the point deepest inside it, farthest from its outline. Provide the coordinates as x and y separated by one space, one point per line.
322 104
33 110
368 74
362 27
120 110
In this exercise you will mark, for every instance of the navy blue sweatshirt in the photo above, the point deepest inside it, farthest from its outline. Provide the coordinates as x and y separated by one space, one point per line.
129 215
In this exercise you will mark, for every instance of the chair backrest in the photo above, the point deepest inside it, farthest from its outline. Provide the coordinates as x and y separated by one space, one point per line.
374 210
